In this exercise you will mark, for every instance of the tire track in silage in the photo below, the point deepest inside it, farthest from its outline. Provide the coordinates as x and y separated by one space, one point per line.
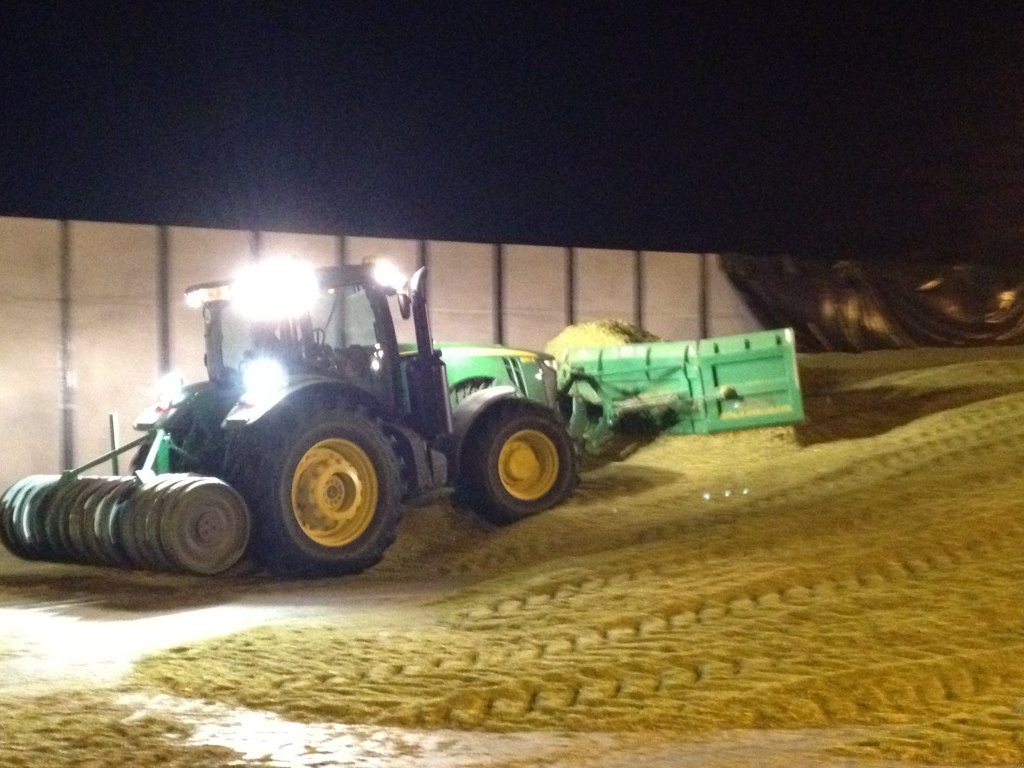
948 680
948 438
523 657
902 460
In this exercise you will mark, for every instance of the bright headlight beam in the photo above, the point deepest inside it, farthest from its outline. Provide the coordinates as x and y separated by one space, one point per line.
170 387
262 378
275 289
388 275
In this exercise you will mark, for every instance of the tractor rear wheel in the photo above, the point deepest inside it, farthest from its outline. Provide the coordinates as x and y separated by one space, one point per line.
519 461
330 498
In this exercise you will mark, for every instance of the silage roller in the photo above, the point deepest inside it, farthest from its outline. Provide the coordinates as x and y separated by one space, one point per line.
161 522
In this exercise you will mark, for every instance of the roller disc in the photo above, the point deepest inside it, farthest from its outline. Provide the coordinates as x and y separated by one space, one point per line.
142 524
53 519
7 505
206 530
128 526
10 505
74 520
103 522
162 500
22 513
124 535
68 520
31 523
109 523
83 527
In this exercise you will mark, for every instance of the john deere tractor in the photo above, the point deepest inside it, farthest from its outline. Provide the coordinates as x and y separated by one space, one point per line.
316 428
320 421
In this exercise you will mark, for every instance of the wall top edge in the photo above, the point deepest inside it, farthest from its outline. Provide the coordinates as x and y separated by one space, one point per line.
441 242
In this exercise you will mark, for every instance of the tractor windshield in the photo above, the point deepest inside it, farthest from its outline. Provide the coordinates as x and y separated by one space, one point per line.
339 321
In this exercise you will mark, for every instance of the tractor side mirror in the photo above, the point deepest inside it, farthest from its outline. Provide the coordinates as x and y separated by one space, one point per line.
404 305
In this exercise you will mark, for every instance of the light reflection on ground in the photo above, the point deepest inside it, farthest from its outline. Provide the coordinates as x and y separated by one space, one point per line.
48 647
268 738
265 739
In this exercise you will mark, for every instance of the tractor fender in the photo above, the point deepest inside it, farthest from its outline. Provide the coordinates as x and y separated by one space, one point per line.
470 411
319 388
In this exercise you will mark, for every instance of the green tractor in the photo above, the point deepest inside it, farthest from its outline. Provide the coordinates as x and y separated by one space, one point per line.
316 428
323 425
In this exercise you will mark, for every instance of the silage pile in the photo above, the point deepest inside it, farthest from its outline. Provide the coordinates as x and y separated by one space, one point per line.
862 569
597 333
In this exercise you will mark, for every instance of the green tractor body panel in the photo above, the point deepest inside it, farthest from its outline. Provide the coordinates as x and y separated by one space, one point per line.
681 387
472 367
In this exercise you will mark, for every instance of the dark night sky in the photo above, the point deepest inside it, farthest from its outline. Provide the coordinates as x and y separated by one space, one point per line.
803 129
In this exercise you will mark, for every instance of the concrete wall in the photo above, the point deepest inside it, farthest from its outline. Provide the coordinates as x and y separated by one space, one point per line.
92 313
30 352
535 286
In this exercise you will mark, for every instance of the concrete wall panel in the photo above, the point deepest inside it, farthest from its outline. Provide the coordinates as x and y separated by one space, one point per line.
30 416
671 295
321 250
113 328
605 285
535 294
461 291
403 253
198 256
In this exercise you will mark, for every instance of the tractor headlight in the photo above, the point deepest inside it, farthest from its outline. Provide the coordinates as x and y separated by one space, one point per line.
262 378
170 388
170 393
389 276
274 289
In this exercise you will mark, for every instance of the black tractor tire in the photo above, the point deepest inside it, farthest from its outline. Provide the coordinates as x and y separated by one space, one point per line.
327 496
518 461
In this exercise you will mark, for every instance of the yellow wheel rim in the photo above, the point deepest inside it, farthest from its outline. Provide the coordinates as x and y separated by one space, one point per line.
528 464
334 492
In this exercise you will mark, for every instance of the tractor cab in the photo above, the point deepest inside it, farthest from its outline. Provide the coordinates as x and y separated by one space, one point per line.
284 322
283 327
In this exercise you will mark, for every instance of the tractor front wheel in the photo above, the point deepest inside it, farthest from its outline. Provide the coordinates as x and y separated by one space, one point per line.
519 461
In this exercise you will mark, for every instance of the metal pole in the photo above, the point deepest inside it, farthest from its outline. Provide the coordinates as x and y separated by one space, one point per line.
114 430
67 389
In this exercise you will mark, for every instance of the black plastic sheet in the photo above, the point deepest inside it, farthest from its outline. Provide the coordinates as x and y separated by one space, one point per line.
853 305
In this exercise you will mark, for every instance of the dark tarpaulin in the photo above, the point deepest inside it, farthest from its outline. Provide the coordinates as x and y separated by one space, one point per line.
852 305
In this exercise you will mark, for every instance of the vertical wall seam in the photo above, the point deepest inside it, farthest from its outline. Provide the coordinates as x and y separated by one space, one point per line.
570 285
67 389
163 298
638 288
499 293
702 295
341 257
